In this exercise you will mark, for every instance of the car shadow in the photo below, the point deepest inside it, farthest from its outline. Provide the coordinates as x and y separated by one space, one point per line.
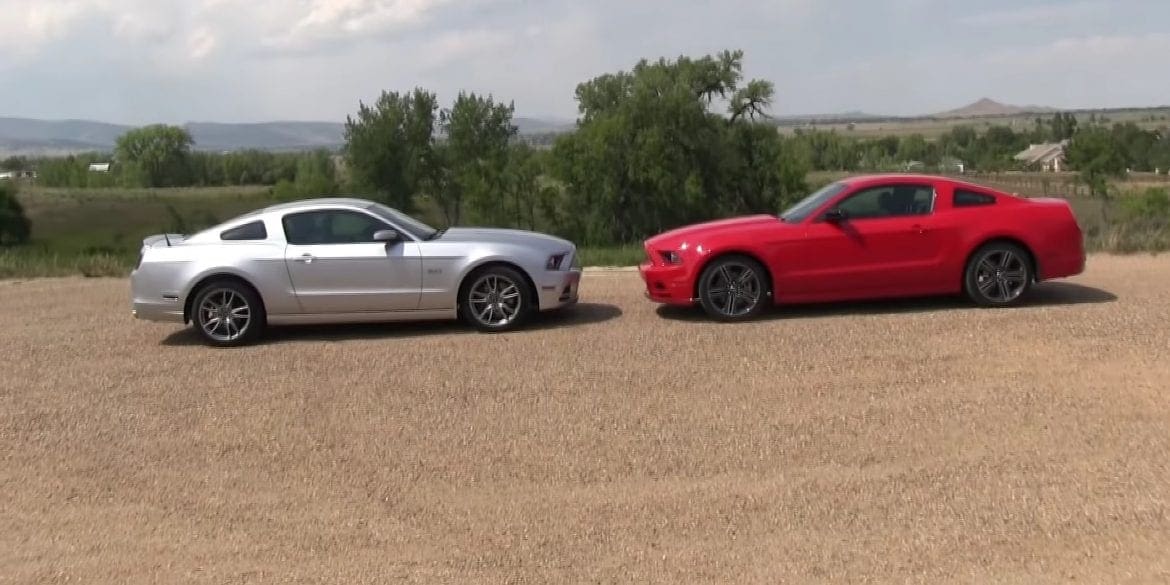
572 316
1042 295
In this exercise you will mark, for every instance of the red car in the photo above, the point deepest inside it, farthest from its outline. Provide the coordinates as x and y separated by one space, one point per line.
869 237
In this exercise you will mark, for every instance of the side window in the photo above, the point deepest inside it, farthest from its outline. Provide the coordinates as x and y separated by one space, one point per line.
889 201
330 227
249 231
964 198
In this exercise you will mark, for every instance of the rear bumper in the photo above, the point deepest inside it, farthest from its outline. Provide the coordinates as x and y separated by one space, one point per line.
671 285
166 311
1062 264
558 288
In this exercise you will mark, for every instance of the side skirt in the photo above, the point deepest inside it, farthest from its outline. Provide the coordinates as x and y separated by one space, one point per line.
368 317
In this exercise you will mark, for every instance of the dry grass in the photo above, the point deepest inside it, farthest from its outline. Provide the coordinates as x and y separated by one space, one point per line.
911 441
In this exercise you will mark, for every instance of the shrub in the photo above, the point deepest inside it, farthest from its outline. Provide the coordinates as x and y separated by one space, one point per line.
14 225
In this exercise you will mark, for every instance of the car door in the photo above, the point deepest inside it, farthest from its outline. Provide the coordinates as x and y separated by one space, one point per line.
336 266
883 243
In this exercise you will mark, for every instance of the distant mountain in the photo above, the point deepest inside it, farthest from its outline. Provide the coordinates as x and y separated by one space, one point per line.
987 107
58 137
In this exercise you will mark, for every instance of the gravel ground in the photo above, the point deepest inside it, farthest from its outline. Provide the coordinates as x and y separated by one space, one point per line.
619 442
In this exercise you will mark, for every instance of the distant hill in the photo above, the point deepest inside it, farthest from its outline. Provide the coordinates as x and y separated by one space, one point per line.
987 107
57 137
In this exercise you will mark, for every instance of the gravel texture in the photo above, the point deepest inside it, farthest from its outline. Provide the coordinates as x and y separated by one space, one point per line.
923 441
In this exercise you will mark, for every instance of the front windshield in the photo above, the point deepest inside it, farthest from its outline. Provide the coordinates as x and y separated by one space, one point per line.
797 213
411 225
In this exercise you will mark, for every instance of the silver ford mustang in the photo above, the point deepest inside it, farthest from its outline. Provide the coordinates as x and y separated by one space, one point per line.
340 260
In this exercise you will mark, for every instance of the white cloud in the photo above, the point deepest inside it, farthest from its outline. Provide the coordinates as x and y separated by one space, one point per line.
25 27
1044 14
201 43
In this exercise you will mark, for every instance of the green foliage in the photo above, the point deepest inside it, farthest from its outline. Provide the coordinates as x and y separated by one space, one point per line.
155 156
1152 207
14 225
472 162
389 146
315 176
649 154
1094 153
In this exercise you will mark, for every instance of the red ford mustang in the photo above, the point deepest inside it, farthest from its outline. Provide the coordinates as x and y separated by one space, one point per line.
869 237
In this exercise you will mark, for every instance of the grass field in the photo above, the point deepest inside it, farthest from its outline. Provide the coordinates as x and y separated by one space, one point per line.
906 442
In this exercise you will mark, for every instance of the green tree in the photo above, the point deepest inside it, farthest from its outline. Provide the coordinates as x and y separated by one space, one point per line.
315 177
155 156
14 225
389 146
473 158
1094 153
649 153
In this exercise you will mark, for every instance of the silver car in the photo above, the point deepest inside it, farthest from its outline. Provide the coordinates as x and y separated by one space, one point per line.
340 260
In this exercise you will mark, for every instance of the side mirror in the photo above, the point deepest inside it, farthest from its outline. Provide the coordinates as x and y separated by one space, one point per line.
387 236
835 215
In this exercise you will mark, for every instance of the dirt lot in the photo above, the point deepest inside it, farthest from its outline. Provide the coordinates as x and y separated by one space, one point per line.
923 441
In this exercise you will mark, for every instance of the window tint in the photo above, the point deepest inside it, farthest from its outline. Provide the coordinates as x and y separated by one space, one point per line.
331 227
965 198
249 231
889 201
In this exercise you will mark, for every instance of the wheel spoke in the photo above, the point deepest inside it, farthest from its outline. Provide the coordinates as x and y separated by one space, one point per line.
1001 288
745 277
1006 259
726 275
986 286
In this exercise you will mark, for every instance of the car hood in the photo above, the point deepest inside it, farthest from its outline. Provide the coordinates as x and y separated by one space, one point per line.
503 236
693 232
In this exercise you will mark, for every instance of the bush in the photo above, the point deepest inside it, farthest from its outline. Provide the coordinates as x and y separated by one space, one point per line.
14 225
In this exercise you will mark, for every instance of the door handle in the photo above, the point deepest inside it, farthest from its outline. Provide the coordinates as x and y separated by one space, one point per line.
306 258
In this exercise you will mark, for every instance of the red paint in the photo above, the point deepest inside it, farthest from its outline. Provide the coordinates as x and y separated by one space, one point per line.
814 260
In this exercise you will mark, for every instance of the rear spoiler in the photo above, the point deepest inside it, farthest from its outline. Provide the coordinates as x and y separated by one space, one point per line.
157 239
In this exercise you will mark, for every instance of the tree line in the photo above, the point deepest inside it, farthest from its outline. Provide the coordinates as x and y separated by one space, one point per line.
665 143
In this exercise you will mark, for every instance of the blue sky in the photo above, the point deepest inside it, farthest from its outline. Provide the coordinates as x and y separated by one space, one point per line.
140 61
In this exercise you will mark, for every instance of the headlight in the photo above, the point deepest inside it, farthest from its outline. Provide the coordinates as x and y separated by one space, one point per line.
554 261
671 257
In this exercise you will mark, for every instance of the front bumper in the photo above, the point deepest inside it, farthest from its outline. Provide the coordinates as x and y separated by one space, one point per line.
668 284
558 288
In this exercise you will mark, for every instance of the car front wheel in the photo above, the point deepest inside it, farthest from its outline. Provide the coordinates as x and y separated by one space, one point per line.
496 299
998 275
733 288
227 314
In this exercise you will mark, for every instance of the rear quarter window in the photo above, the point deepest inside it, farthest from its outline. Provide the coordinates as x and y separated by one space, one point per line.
965 198
249 231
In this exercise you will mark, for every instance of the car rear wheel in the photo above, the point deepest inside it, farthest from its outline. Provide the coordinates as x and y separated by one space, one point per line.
998 275
496 299
228 313
733 288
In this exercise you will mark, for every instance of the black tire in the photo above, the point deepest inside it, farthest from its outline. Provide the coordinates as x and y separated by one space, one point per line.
998 274
734 288
495 299
218 308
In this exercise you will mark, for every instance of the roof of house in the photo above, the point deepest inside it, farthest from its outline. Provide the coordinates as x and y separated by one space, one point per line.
1040 153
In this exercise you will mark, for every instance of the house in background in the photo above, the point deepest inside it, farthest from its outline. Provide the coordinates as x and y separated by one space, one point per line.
99 167
17 175
1047 157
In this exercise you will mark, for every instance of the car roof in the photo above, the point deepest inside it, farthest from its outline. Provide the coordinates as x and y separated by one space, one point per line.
317 202
882 177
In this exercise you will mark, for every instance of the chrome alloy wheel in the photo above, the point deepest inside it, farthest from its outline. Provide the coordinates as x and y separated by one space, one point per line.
224 315
1001 276
495 300
734 289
